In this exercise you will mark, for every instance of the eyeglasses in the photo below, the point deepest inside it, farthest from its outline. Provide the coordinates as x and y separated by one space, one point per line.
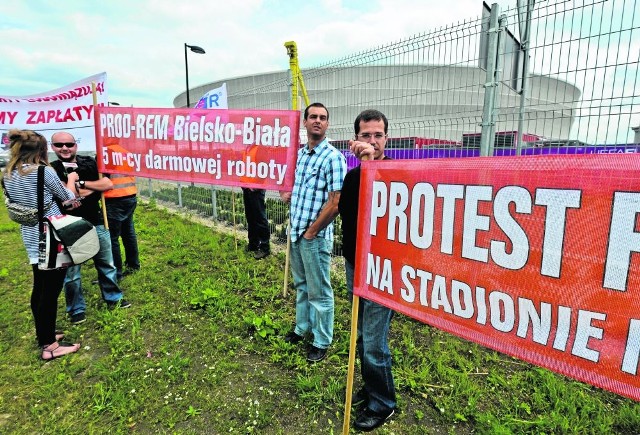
64 144
376 136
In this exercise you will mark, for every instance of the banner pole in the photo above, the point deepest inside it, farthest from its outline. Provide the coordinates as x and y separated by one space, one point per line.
352 360
352 353
233 211
103 205
286 262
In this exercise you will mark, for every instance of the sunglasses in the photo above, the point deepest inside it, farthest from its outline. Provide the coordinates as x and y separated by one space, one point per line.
64 144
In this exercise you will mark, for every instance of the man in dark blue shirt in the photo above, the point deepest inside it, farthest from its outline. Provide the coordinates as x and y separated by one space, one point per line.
89 185
378 393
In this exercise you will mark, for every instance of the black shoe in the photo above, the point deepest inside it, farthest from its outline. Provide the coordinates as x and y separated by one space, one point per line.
316 354
369 420
78 318
129 271
293 338
260 254
122 303
360 398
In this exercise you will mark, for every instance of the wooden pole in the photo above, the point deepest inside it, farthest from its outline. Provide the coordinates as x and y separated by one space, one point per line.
286 262
233 211
104 206
352 352
352 362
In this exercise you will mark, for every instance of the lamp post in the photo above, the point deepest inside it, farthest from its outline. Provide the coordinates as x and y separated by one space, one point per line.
195 49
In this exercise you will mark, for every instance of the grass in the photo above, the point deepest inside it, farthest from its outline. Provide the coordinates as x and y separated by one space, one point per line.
200 352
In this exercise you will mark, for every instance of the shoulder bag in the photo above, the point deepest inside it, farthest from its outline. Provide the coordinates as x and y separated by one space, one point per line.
65 240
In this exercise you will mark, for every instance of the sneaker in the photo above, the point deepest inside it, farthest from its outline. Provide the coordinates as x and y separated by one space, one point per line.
369 420
78 318
316 354
293 338
260 254
122 303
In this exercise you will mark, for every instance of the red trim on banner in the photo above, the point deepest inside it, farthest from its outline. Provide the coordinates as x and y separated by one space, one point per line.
248 148
536 257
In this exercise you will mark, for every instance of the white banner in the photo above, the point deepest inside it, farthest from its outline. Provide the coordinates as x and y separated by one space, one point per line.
214 99
68 108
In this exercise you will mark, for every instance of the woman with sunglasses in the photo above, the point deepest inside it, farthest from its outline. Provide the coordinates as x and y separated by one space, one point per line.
28 152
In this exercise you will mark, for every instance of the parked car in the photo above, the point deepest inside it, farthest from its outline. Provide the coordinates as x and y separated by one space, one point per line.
4 158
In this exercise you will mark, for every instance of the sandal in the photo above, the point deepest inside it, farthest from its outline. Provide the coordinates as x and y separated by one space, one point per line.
61 349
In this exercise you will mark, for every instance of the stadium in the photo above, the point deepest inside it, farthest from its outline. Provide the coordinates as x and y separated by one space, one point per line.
432 103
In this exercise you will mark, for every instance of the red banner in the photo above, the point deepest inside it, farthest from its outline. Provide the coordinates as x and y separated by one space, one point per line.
536 257
248 148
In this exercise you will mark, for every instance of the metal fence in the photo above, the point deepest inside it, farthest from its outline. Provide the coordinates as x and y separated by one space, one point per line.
223 205
562 75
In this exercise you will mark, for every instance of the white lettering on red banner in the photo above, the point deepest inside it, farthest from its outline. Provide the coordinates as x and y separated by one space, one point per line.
536 257
226 147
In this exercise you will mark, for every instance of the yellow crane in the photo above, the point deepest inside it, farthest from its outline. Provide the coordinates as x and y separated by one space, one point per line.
297 81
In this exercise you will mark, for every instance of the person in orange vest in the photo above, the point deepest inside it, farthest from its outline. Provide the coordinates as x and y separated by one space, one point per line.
121 202
255 211
258 231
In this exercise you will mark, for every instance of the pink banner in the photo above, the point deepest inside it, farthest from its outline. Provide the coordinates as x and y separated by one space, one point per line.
248 148
536 257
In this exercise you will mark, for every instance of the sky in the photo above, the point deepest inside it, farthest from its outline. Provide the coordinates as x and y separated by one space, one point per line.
140 43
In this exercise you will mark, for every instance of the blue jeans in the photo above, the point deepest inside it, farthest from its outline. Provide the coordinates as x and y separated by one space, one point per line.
310 265
103 261
121 225
373 350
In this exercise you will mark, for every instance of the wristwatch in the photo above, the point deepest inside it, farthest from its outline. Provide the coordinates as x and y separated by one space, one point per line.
81 184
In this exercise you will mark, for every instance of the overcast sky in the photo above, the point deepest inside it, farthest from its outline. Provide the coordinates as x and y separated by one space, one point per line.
140 44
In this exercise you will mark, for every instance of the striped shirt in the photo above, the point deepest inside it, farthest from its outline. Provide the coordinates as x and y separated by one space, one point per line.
318 172
23 189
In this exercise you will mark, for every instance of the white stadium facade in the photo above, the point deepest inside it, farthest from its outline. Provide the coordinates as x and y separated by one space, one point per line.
427 101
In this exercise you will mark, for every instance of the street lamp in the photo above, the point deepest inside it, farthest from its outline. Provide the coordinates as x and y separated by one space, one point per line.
195 49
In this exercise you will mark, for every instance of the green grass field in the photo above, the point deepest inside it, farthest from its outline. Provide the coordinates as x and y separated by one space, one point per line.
200 352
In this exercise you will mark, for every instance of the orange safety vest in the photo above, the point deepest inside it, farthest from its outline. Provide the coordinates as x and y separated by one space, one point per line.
123 185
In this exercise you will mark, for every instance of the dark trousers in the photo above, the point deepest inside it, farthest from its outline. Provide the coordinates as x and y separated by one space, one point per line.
255 210
47 285
120 216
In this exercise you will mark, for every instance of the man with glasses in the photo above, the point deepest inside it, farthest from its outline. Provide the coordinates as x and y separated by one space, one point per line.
320 169
377 397
89 185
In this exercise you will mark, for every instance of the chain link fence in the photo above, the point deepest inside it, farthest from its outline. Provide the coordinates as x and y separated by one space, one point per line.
568 82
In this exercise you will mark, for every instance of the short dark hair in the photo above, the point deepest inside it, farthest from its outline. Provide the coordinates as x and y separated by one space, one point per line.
306 111
370 115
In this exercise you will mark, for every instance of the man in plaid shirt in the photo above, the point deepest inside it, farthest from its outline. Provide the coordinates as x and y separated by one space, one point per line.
320 169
